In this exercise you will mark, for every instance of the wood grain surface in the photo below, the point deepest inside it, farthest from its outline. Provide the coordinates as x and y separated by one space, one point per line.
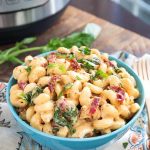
112 38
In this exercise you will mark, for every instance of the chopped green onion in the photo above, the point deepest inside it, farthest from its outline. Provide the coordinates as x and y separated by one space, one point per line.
71 56
99 74
62 68
28 69
117 70
85 50
52 65
61 55
78 78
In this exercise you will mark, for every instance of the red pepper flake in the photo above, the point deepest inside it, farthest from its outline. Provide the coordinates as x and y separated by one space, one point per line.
94 105
52 57
22 85
120 92
74 64
54 79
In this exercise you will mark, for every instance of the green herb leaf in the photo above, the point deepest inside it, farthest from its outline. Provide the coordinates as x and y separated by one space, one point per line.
72 130
26 97
79 39
78 78
58 118
31 94
66 117
96 61
28 69
66 87
125 144
86 64
71 56
36 91
85 50
117 70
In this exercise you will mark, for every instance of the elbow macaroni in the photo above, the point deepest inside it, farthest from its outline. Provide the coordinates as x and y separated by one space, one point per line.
80 83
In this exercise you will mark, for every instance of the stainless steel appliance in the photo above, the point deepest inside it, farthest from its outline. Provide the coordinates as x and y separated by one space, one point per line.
21 18
139 8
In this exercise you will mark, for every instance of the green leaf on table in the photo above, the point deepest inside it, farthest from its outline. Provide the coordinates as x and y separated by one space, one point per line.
79 39
83 38
28 40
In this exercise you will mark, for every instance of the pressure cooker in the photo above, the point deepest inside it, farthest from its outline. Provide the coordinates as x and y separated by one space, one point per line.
22 18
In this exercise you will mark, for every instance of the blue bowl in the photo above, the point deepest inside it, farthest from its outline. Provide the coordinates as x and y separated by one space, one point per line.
60 143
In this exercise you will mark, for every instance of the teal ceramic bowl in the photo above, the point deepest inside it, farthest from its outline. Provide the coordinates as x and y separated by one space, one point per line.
60 143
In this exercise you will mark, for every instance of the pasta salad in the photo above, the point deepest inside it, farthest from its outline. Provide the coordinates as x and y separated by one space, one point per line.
75 92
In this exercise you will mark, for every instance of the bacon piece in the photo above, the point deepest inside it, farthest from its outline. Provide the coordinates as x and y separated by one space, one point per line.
54 79
52 57
92 110
74 64
120 92
63 104
94 105
22 85
109 63
44 65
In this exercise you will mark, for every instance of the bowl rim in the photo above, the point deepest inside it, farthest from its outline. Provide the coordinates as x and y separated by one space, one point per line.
116 132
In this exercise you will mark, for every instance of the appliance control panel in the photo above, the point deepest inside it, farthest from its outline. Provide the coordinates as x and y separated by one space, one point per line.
7 6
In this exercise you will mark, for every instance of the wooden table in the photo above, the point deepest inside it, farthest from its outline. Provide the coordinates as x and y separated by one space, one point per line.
115 13
112 38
